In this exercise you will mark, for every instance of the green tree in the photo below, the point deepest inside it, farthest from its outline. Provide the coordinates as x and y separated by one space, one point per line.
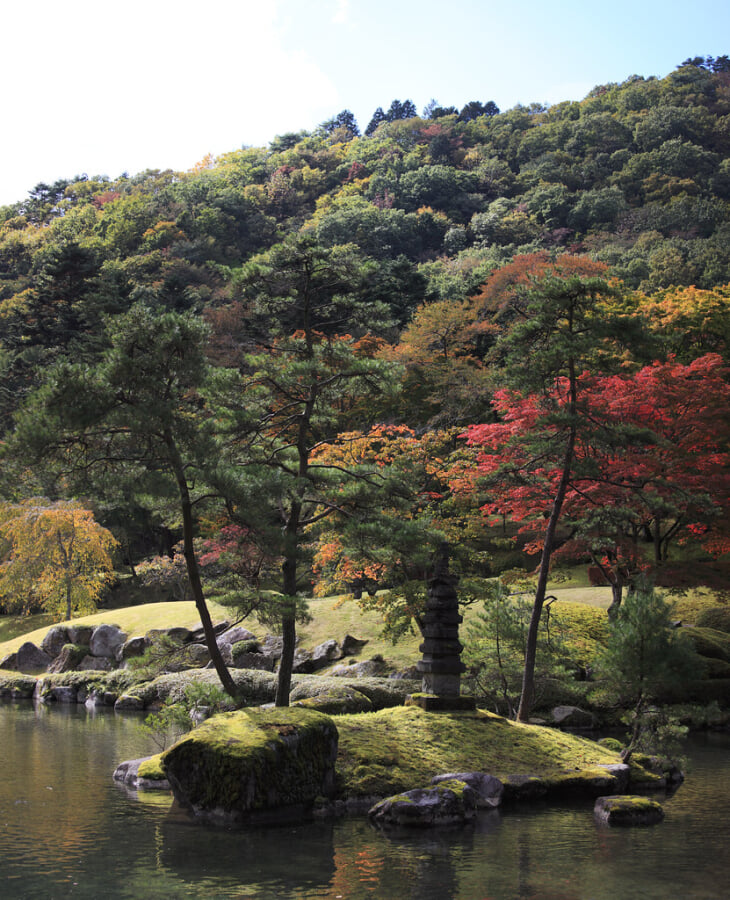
135 418
644 659
304 378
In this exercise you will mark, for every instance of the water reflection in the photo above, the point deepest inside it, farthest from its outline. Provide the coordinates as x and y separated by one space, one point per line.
67 830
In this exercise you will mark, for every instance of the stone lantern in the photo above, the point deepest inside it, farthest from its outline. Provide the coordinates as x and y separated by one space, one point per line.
441 665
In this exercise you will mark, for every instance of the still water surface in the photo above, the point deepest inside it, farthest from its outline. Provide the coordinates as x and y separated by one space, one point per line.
67 830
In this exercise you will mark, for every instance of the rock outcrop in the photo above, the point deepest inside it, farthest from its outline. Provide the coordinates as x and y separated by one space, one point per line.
450 802
254 765
628 810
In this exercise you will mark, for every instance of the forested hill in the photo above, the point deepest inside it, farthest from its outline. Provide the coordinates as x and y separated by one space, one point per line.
635 175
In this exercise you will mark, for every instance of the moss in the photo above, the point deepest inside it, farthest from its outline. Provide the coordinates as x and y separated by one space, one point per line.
591 781
336 701
381 692
246 760
240 647
152 769
400 749
88 681
629 810
255 686
612 744
17 686
641 774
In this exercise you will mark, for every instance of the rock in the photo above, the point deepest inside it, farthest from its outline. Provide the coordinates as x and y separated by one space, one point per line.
233 635
573 717
79 634
129 773
175 635
95 664
351 646
272 645
9 662
55 640
628 810
303 662
447 803
246 660
589 782
325 653
132 648
369 667
197 654
523 787
336 700
179 634
197 633
254 765
106 640
68 659
410 673
128 702
621 772
31 659
62 693
487 788
18 687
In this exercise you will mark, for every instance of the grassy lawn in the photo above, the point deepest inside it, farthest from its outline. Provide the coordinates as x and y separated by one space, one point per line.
335 617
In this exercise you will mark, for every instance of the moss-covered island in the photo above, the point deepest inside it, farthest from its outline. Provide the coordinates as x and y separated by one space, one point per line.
262 764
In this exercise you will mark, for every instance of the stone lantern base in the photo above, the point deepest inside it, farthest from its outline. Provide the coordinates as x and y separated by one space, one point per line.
436 703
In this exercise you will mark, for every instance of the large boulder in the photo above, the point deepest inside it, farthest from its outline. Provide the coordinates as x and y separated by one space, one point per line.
95 664
133 648
351 646
233 635
447 803
369 667
333 700
628 810
68 659
302 662
254 765
55 640
30 659
79 634
243 658
573 717
142 774
197 654
272 645
197 632
106 641
326 653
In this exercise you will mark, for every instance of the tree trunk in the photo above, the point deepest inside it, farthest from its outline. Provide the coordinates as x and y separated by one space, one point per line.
288 617
527 697
191 562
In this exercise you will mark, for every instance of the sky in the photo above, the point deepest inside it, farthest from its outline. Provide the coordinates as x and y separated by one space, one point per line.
104 87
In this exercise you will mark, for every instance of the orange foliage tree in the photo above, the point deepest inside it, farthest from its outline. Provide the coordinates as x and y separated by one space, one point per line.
54 554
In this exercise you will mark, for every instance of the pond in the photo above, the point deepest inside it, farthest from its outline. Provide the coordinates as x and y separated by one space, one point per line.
68 830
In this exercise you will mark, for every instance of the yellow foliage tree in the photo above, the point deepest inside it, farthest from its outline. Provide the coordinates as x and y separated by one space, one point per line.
54 554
